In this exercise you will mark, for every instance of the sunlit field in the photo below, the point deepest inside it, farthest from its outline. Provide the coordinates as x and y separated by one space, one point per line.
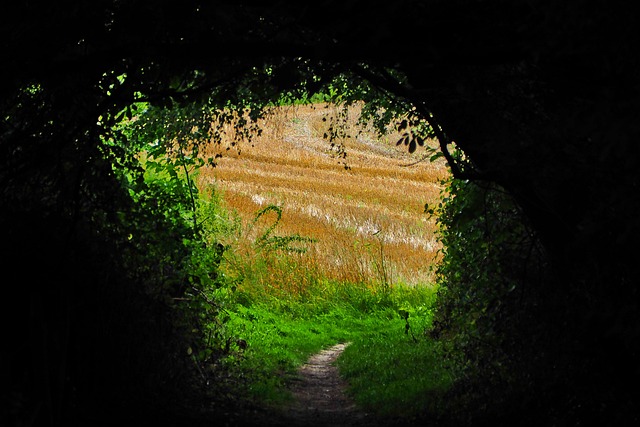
367 219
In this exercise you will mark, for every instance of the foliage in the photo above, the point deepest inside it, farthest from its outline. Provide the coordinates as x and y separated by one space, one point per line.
514 84
267 241
489 278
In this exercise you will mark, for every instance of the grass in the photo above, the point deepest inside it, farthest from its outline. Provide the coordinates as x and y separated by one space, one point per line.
391 371
392 375
337 255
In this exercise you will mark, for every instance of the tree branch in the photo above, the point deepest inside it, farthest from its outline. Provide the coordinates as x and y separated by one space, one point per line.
392 88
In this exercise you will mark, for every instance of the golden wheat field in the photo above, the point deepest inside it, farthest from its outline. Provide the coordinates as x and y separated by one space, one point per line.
368 219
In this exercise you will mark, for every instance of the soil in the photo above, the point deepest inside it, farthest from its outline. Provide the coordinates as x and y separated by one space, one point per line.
320 398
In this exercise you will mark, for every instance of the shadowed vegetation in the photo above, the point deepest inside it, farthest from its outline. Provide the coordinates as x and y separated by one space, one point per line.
129 293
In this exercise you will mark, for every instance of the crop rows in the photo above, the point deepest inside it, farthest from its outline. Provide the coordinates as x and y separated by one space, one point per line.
368 220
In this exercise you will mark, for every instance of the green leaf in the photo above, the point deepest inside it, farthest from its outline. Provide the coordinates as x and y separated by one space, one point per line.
412 146
436 156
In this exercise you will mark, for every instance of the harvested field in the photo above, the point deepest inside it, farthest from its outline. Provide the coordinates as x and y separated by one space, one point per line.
368 220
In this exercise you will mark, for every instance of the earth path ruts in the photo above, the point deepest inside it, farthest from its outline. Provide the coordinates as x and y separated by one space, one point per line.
319 393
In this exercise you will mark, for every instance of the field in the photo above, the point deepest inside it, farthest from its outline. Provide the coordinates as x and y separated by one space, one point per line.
349 259
367 219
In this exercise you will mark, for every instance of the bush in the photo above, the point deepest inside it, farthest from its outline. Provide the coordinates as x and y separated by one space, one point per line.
487 310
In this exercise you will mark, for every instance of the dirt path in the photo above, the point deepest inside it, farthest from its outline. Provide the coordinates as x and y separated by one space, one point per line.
320 397
319 400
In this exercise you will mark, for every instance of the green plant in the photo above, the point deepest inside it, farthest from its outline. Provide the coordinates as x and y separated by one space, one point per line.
395 376
381 267
491 264
283 330
267 241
